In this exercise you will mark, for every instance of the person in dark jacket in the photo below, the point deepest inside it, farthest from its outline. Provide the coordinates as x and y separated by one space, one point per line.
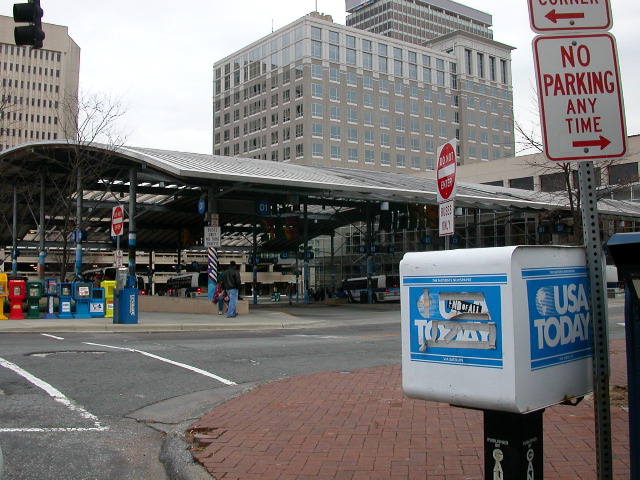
232 283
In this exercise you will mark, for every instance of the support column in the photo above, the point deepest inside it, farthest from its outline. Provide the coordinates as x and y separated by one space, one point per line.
14 246
43 253
133 193
79 198
212 253
306 277
255 264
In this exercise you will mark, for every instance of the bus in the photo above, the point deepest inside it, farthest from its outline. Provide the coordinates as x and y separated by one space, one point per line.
109 273
193 284
385 288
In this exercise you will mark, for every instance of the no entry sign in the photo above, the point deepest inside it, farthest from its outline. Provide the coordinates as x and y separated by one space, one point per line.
446 171
117 220
580 97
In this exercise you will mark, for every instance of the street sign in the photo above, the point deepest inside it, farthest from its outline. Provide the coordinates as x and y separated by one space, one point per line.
556 16
215 219
580 97
119 258
117 220
446 171
212 236
447 220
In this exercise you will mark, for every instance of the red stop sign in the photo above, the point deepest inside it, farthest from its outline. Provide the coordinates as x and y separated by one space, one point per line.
117 220
446 171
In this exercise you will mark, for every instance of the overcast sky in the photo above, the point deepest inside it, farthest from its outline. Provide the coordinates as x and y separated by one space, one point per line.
157 55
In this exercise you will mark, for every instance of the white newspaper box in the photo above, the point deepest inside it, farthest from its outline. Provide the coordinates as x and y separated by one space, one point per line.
505 328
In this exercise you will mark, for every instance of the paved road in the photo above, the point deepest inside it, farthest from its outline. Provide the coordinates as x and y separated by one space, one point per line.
95 406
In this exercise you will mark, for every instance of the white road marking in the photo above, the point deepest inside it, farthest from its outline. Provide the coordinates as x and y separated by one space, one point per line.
166 360
59 397
51 336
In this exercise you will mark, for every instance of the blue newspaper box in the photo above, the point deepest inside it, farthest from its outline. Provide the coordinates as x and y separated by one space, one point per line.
97 305
65 295
82 296
125 299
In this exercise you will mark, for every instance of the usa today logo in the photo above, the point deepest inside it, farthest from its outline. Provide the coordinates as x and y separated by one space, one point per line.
560 321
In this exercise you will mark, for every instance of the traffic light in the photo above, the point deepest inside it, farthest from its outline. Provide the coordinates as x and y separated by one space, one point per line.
30 13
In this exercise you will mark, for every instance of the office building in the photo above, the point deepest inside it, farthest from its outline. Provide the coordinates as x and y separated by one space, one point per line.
319 93
39 87
417 21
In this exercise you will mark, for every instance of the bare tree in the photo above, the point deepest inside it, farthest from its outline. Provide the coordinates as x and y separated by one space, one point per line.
88 120
560 177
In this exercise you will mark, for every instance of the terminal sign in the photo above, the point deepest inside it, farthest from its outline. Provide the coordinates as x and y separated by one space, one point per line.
580 97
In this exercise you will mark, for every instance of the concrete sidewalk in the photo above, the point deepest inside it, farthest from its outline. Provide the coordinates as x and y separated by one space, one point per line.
360 426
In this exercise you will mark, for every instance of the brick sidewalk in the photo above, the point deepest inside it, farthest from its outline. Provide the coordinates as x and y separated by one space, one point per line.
360 426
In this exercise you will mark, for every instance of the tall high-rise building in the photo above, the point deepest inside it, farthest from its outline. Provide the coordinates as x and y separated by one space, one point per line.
417 21
319 93
39 88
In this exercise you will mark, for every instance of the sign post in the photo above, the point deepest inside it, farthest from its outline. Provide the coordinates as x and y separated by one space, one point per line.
582 116
117 227
447 188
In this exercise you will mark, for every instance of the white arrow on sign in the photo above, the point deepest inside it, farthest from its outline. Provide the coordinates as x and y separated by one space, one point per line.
580 97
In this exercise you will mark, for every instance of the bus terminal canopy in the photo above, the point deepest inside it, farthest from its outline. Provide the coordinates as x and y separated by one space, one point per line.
171 188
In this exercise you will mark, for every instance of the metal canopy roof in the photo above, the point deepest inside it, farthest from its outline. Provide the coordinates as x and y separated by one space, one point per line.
169 185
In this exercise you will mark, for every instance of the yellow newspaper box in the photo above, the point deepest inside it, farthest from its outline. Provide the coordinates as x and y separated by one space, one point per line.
109 287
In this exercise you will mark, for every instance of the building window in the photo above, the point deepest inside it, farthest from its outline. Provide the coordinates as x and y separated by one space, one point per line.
351 57
352 116
316 90
286 153
352 79
468 62
317 150
368 119
492 69
481 65
299 150
415 163
317 130
316 33
369 156
334 75
334 113
385 159
335 132
352 134
299 130
334 94
385 122
352 97
523 183
336 152
385 140
401 160
623 174
316 71
352 154
317 110
368 137
334 53
503 71
316 49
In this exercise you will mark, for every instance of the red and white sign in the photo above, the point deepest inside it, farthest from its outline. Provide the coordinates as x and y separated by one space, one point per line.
580 97
562 15
117 221
446 171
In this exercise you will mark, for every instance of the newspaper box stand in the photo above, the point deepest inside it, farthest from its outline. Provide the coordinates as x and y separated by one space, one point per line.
109 287
82 296
126 298
4 291
51 292
17 293
96 306
34 294
65 290
505 330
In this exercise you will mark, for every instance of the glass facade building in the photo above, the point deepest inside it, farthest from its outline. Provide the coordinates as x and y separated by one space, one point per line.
320 93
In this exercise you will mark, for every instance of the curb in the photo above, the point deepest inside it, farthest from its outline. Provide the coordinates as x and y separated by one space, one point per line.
178 461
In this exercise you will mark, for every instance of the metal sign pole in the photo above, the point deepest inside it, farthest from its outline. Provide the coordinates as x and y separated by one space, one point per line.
599 329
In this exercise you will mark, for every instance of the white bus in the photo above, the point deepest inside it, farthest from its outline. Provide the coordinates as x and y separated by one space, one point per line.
109 273
193 284
385 288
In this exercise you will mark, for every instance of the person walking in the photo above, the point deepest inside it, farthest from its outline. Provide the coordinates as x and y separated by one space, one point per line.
231 282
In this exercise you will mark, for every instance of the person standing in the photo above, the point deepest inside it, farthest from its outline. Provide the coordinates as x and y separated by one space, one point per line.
231 282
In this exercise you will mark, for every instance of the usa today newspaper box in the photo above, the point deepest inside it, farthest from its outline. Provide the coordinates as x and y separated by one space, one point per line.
505 329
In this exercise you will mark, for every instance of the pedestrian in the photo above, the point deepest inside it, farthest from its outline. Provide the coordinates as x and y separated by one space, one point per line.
96 281
220 297
231 282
